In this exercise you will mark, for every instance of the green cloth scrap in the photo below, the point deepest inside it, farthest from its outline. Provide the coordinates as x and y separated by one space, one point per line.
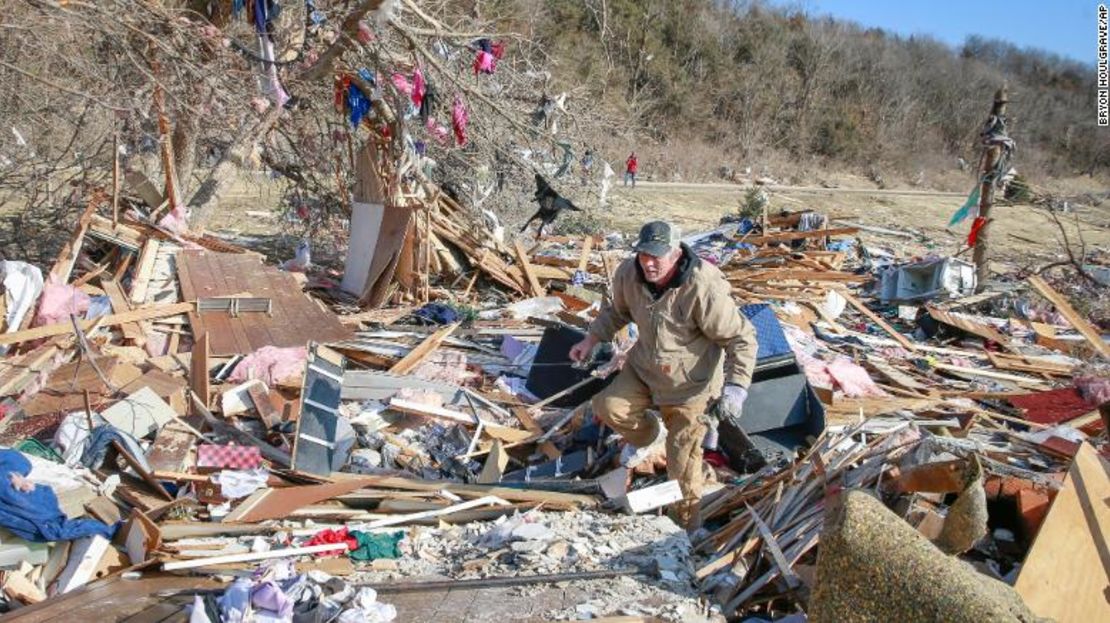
965 210
37 448
375 546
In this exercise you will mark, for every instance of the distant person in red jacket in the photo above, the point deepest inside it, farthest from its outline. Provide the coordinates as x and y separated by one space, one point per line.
630 167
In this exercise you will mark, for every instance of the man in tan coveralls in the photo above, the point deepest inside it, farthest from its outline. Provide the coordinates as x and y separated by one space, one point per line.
688 325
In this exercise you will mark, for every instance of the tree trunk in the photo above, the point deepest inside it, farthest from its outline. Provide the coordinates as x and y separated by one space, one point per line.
991 154
185 133
205 201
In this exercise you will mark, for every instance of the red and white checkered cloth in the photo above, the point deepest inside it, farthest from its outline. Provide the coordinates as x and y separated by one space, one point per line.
228 457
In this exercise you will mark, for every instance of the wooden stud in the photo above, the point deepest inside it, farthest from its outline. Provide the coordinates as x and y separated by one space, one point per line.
132 331
858 304
1067 311
140 282
529 271
61 328
417 355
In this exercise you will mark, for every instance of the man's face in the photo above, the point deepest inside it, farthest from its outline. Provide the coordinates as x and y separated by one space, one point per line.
657 269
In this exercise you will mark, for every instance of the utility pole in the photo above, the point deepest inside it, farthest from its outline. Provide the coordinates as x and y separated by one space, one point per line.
993 164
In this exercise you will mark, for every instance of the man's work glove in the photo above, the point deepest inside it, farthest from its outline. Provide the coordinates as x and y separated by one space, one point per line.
732 402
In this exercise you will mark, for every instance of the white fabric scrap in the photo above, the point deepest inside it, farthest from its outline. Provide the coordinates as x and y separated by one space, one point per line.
235 484
23 285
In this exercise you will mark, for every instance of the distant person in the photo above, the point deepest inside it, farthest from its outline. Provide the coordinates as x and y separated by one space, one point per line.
587 166
630 167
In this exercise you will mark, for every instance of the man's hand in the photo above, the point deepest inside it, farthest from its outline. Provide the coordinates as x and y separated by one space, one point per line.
732 401
581 351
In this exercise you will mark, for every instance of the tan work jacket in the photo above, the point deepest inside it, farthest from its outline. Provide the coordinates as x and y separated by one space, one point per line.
684 335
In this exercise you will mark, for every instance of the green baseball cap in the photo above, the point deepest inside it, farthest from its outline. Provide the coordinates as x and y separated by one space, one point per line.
658 238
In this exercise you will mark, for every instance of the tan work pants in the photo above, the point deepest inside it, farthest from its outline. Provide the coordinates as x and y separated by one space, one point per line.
623 405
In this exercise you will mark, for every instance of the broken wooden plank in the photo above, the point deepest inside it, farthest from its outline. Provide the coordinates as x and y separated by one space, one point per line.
140 283
1067 311
266 411
199 381
529 271
863 309
1064 575
278 503
417 355
277 553
120 304
61 328
787 274
550 499
67 257
1002 376
968 325
495 465
400 519
1034 365
787 236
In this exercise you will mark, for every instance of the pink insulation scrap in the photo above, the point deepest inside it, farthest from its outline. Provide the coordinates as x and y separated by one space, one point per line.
175 221
817 373
59 301
270 365
1094 389
853 379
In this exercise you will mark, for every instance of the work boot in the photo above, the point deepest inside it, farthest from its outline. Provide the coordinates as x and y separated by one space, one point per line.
687 514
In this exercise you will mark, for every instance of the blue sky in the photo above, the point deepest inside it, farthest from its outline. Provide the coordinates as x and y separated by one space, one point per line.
1066 27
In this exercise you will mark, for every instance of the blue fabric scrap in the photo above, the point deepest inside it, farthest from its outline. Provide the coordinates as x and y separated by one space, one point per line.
35 515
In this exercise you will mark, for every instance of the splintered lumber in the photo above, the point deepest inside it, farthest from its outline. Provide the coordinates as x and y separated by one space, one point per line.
784 274
584 258
143 272
496 431
549 499
526 266
198 369
277 503
61 328
980 329
278 553
863 309
991 374
487 261
16 373
787 236
120 304
1064 574
439 512
417 355
1067 311
67 257
1034 365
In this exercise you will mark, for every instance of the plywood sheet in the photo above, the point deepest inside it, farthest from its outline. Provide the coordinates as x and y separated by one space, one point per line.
296 319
